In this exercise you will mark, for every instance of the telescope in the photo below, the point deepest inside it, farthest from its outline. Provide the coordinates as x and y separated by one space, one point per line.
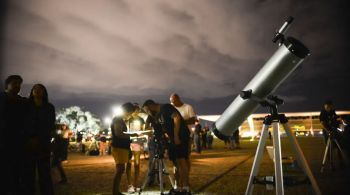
289 55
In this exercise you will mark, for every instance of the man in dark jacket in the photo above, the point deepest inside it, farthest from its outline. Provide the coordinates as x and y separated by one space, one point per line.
12 112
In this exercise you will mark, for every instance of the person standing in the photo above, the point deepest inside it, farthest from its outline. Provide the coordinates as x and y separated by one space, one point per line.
189 116
329 120
210 139
13 110
204 136
66 134
102 144
177 130
57 156
121 144
135 123
197 137
40 128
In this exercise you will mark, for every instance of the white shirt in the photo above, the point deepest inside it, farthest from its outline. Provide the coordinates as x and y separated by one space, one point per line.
186 111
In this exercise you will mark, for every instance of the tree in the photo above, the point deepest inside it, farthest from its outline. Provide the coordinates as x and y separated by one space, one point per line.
78 120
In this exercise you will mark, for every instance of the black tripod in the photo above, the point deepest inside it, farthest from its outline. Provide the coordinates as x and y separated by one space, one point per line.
158 166
331 143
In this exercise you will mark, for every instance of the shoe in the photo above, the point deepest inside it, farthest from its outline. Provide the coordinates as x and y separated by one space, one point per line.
173 192
187 193
131 189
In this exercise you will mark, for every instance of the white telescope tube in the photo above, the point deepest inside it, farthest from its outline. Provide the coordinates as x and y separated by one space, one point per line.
283 62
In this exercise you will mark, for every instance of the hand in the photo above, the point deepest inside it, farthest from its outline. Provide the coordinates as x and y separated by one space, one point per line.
177 140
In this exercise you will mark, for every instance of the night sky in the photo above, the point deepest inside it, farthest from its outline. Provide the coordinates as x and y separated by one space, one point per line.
99 53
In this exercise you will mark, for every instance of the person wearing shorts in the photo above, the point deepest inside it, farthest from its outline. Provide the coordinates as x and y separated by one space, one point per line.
179 135
120 145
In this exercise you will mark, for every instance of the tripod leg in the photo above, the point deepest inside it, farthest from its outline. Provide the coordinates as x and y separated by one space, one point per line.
165 171
344 157
301 158
325 155
149 175
160 173
331 154
257 159
278 159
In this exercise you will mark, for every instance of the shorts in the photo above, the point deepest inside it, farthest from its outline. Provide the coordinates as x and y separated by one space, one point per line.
120 155
179 151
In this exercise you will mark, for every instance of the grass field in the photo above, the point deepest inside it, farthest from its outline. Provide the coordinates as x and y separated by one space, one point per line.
216 171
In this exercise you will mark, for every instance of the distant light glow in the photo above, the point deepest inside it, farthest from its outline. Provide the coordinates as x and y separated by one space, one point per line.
251 126
117 111
107 120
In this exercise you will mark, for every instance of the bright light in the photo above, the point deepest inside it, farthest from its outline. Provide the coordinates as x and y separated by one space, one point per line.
251 126
117 111
249 134
108 120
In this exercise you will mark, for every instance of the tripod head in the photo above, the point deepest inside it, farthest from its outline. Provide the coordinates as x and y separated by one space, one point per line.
271 102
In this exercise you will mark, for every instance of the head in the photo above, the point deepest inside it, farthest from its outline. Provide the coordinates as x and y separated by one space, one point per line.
328 106
13 84
128 108
175 100
39 92
150 107
197 121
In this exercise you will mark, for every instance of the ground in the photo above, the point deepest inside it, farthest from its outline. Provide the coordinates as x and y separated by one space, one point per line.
216 171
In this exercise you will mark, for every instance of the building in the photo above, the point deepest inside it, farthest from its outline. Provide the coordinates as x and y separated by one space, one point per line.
302 123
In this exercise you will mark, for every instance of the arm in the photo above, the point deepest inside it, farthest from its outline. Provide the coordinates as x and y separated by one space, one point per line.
177 121
192 118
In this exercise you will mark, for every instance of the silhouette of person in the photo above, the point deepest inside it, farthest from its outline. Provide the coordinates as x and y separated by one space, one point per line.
40 128
13 108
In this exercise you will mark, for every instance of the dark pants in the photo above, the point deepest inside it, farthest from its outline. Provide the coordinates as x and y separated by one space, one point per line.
197 143
37 158
204 141
65 149
12 172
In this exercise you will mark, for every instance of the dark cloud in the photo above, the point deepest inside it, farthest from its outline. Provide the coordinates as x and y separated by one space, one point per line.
100 53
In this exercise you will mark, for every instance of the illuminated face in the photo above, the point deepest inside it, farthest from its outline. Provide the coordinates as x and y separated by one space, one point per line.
175 100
